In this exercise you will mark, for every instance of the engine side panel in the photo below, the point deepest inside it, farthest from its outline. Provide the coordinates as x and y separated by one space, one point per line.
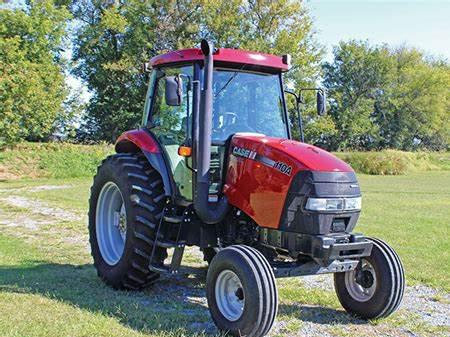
261 170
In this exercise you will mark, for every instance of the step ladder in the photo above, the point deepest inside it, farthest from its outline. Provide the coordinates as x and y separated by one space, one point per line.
178 245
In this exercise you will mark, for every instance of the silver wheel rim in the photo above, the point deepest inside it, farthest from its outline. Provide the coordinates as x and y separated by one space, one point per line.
111 223
230 297
361 292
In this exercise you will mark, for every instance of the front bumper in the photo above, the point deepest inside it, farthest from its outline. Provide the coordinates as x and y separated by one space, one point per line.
324 249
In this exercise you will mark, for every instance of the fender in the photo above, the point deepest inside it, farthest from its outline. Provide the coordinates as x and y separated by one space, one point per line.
143 140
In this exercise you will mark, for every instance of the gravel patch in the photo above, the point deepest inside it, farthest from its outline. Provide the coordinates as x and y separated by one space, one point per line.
39 214
429 304
35 188
22 221
40 208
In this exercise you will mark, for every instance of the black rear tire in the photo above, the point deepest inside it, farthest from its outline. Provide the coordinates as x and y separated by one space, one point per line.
387 281
143 197
258 290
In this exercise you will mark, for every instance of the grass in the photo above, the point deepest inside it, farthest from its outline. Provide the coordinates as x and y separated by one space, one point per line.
55 160
65 160
394 162
48 286
412 213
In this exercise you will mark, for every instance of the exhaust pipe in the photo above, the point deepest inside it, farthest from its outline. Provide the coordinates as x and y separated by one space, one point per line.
208 213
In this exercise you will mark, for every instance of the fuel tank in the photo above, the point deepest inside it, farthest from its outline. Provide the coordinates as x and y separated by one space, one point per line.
261 170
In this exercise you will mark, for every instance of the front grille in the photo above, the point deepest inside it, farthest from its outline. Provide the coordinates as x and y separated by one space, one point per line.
320 185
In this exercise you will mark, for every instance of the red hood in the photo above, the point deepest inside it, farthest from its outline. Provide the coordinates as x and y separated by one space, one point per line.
308 157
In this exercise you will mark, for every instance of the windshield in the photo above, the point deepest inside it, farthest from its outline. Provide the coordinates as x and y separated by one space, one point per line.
247 102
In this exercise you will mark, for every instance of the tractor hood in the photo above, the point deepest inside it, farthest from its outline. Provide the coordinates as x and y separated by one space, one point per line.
262 169
295 155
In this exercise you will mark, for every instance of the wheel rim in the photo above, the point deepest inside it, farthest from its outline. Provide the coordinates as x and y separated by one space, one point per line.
230 297
111 223
361 283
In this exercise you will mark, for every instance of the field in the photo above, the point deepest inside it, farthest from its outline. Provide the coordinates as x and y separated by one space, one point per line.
48 286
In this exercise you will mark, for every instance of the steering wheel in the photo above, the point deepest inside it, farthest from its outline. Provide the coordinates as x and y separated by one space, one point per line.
237 127
228 117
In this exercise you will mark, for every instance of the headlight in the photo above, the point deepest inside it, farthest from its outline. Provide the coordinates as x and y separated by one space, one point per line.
333 204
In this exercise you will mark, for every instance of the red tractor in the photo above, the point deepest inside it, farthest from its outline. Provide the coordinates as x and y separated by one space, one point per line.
214 166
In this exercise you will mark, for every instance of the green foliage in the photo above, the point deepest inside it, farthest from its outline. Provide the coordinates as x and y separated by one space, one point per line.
31 79
414 111
387 98
112 42
394 162
54 160
277 27
114 39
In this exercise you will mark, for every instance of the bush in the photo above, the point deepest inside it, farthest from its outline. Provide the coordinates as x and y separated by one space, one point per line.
52 160
393 162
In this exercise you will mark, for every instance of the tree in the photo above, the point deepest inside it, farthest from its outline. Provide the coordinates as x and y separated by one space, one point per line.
414 110
354 80
387 98
31 70
114 39
276 27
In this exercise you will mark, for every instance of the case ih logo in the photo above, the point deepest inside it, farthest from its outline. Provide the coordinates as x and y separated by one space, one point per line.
277 165
241 152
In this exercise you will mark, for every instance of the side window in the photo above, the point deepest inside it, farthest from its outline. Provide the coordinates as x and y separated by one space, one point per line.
172 124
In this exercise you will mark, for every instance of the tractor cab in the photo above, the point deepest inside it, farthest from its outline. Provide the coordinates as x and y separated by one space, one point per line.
247 96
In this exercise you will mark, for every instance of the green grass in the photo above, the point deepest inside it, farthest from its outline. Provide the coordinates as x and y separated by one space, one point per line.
412 213
394 162
55 160
65 160
48 286
41 297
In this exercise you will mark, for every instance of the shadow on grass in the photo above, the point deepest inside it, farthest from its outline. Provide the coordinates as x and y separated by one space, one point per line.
172 304
318 315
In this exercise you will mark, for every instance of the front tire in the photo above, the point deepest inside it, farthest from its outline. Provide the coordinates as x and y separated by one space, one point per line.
125 207
375 288
241 292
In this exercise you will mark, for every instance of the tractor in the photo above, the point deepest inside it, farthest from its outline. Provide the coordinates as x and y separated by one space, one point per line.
214 165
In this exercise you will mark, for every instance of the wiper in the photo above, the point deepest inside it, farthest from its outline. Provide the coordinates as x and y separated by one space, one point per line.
229 81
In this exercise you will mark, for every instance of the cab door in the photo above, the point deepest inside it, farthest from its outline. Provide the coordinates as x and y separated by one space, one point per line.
172 125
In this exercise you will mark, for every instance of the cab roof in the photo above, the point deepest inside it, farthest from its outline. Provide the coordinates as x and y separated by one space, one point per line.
226 57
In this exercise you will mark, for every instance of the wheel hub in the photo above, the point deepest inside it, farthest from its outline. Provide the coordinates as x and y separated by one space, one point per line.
230 296
361 283
121 221
364 278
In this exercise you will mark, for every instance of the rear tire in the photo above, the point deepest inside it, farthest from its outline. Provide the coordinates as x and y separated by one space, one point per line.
241 292
127 193
375 289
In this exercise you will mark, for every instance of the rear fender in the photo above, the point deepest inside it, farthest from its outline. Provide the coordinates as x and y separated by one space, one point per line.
143 141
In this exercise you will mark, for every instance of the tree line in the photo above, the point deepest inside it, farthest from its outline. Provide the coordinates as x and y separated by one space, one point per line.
379 96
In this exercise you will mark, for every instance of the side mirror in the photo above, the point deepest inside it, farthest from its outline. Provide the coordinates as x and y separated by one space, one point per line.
321 102
174 90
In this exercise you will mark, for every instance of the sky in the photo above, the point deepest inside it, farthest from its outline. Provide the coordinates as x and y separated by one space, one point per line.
423 24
